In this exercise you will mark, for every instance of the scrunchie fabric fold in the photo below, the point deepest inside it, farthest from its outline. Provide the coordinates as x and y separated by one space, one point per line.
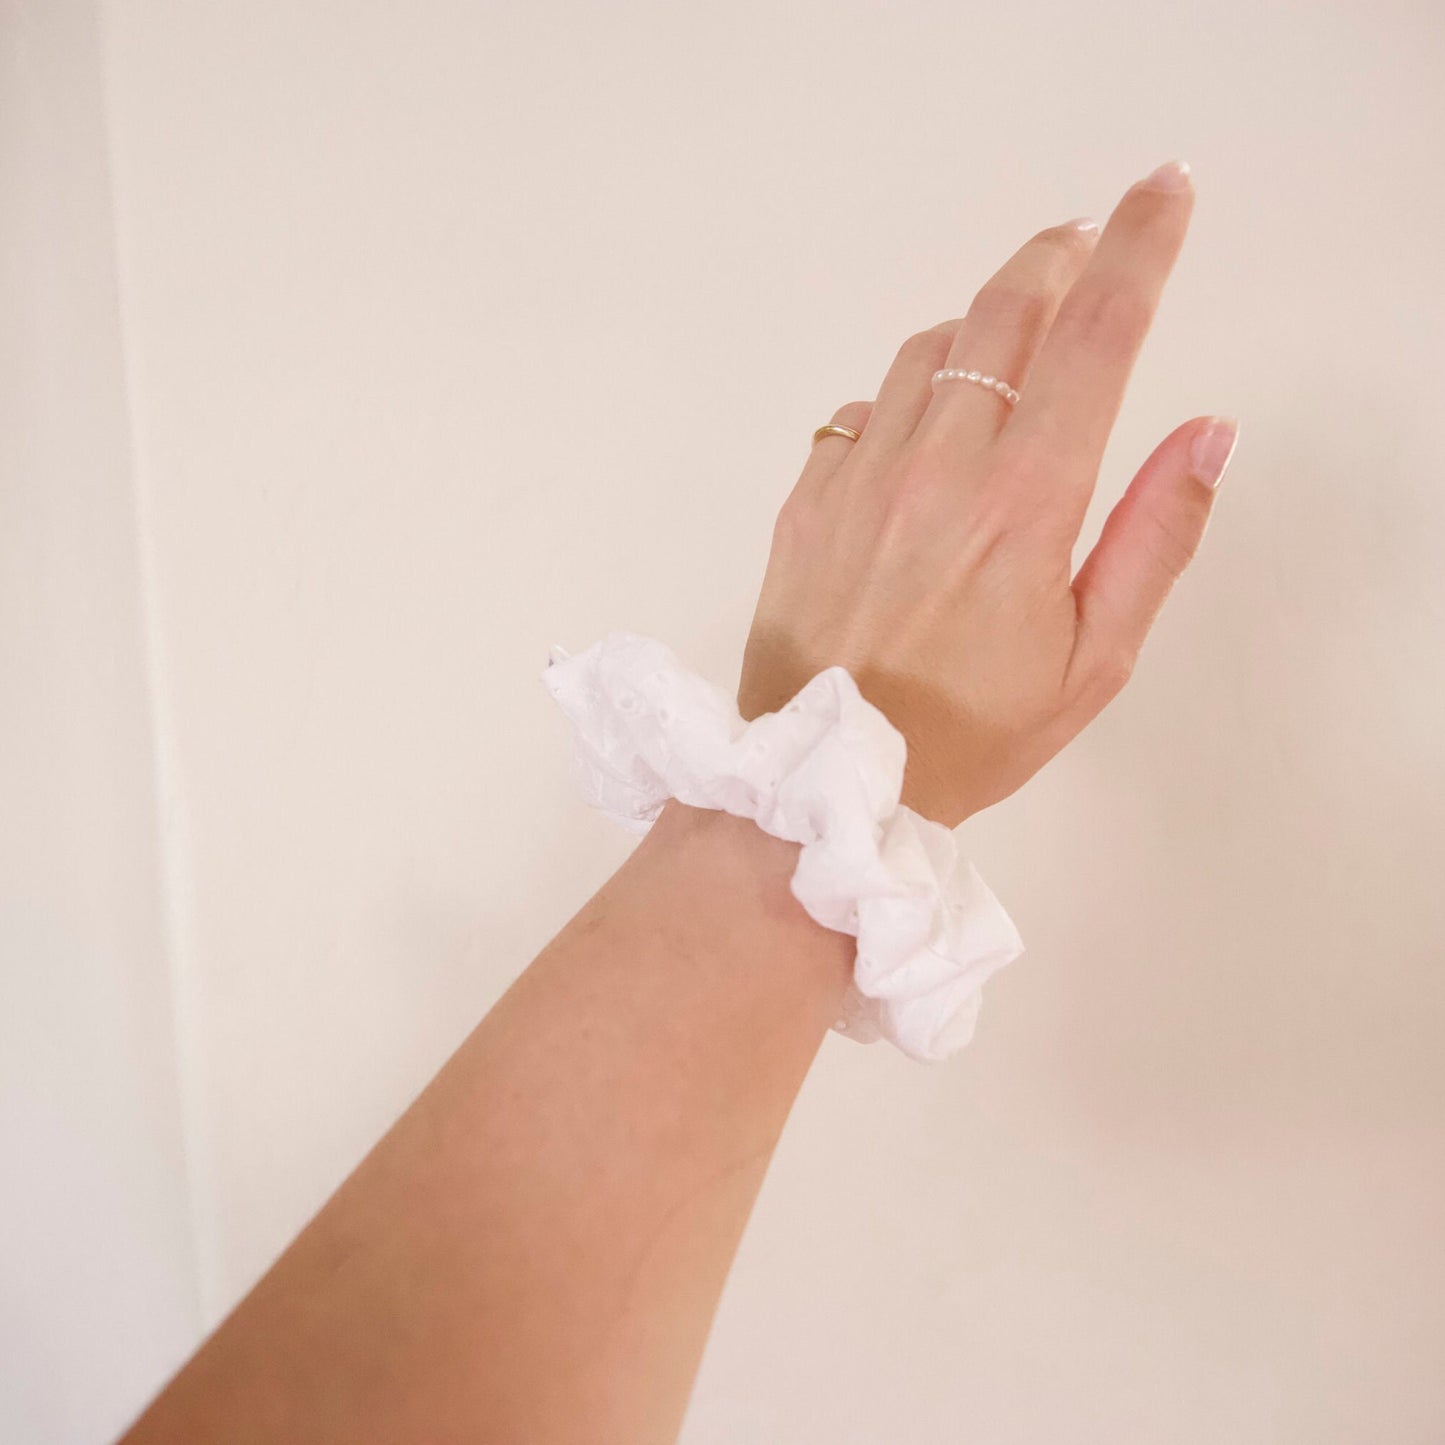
825 770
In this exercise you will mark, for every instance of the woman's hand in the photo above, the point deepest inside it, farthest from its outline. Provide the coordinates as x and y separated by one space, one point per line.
931 558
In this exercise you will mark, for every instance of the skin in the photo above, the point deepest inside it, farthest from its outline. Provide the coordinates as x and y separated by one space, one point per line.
535 1251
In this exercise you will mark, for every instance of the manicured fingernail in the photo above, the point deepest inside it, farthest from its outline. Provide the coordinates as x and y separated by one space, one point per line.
1171 176
1211 449
1086 224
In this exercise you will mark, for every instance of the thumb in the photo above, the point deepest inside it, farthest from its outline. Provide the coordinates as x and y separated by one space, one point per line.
1146 543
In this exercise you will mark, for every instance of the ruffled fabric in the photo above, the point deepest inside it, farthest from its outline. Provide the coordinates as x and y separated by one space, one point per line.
826 771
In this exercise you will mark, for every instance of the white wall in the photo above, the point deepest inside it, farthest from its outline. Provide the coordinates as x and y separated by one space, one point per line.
98 1296
456 330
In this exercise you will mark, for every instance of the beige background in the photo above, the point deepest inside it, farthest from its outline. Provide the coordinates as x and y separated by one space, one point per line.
354 353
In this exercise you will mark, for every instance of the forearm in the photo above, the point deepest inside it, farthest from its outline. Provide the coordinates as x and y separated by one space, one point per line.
535 1251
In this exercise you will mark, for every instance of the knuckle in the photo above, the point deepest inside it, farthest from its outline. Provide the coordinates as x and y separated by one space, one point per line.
1111 672
921 462
925 346
854 414
914 476
1012 306
797 519
1024 463
909 498
1173 543
1002 536
1111 317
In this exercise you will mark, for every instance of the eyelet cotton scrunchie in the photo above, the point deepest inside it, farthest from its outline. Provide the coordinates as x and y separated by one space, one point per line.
826 771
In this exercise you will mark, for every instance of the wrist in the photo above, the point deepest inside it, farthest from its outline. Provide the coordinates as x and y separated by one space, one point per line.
680 825
750 875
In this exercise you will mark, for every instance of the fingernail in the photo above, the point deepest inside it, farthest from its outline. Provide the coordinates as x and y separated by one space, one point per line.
1087 224
1171 176
1211 449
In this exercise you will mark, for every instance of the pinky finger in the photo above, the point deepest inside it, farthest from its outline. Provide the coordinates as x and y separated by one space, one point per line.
1146 543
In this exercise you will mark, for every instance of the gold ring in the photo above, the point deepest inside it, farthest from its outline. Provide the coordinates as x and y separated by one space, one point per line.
836 431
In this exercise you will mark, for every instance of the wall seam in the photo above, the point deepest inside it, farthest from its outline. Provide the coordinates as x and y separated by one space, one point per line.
173 883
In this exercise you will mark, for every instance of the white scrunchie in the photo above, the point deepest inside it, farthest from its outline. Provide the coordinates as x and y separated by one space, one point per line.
825 771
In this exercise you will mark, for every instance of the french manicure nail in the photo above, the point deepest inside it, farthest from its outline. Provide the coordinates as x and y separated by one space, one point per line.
1211 449
1171 176
1087 224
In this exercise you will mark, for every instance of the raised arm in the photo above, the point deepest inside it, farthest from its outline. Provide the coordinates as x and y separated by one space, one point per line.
535 1251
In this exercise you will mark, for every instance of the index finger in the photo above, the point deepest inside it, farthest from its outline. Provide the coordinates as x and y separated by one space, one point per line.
1071 397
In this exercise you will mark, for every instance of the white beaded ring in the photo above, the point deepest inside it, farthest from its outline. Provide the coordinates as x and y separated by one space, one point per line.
993 383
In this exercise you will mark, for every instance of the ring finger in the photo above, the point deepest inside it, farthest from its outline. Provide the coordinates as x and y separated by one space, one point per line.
999 338
828 452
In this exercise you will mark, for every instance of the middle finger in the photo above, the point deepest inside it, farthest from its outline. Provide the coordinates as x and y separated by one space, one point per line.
1061 425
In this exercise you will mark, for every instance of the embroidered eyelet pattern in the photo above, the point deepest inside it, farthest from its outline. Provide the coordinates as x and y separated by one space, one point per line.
939 925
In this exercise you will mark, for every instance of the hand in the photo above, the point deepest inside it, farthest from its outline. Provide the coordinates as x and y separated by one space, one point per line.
931 558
